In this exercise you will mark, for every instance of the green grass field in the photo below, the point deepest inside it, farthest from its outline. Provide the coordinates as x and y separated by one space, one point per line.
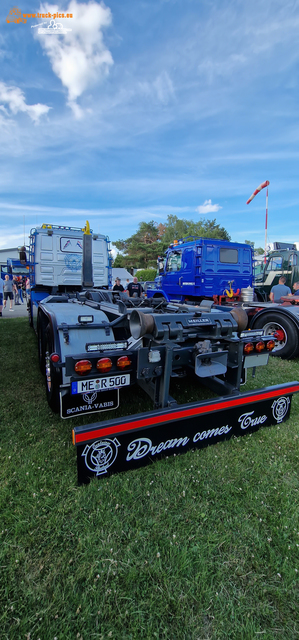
202 546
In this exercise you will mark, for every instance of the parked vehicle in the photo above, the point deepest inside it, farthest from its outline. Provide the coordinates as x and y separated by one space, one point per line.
282 261
55 263
14 267
194 269
93 342
222 271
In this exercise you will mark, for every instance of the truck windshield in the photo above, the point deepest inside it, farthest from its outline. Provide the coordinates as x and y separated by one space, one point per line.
15 271
20 271
274 264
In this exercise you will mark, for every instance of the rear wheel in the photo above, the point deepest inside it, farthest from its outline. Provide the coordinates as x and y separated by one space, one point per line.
53 376
41 341
29 309
284 330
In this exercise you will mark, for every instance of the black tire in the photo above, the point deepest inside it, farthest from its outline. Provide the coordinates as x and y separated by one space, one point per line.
29 309
53 376
288 334
41 342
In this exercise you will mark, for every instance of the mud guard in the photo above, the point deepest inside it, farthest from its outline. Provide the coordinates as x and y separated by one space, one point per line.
104 448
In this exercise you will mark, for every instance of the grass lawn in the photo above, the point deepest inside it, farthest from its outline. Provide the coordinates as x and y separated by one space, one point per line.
203 545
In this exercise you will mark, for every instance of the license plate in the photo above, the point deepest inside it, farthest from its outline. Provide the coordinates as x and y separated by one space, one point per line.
256 360
100 384
92 402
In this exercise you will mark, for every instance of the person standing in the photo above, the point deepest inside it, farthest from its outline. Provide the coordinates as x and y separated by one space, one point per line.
1 296
27 287
118 286
296 289
135 289
8 292
19 284
15 290
280 290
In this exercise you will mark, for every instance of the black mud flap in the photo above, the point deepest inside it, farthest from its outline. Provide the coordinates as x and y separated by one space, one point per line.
81 404
126 443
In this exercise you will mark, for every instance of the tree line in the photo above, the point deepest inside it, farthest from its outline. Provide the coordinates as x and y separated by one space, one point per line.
141 250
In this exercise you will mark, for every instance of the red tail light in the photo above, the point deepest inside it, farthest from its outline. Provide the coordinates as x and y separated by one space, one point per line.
123 362
248 347
270 345
104 365
54 357
83 366
260 346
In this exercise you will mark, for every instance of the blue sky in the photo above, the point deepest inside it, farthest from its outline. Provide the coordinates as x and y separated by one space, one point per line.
148 108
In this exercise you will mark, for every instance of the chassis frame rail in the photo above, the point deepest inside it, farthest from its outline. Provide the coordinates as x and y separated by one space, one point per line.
134 441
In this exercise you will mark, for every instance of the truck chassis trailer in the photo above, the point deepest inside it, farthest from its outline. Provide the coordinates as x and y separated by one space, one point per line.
93 342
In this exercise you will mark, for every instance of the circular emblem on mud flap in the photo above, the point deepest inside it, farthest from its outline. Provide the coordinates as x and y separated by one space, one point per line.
280 408
100 455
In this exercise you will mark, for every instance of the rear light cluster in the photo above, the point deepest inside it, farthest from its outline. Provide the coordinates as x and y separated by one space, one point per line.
258 347
103 365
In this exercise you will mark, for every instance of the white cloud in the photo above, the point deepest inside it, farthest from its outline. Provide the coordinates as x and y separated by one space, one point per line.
14 98
164 87
80 57
208 207
228 66
12 240
160 90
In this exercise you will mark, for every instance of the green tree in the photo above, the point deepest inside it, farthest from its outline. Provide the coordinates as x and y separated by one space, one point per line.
259 250
142 248
119 261
177 228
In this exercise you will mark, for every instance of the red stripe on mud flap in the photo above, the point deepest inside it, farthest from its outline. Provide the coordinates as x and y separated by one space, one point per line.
127 426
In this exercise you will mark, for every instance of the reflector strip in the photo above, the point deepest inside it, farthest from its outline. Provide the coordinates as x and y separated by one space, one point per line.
80 436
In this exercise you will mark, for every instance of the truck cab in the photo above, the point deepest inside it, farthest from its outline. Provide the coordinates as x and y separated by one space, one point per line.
55 263
197 268
283 261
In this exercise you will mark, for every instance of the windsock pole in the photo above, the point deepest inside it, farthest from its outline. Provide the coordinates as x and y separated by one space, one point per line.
259 188
266 227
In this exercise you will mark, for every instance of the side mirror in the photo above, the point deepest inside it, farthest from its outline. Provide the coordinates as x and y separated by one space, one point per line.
22 255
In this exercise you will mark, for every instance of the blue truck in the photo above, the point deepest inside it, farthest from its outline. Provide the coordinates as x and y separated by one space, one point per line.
194 269
197 268
15 267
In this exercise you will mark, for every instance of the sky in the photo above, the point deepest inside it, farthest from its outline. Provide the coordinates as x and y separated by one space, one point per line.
139 109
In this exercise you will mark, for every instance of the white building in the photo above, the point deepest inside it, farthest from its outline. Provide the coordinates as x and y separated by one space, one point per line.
8 253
